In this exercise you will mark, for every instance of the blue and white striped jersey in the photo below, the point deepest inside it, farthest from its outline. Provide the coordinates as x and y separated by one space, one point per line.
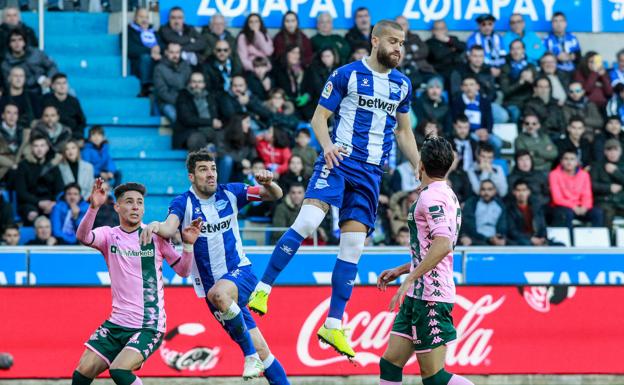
365 104
219 248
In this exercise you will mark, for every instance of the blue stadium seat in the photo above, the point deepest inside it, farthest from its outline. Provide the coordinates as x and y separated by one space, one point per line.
27 233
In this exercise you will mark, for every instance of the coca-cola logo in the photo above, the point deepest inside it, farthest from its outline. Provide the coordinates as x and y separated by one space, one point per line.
198 358
369 334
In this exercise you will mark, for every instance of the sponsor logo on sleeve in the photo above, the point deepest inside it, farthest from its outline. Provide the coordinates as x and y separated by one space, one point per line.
329 87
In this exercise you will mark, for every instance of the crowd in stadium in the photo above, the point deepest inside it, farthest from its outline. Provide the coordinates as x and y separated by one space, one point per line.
248 98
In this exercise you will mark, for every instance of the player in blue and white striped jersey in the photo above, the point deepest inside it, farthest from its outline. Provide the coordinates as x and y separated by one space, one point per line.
370 102
221 271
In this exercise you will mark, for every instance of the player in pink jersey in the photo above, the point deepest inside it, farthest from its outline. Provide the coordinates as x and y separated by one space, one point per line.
136 325
424 324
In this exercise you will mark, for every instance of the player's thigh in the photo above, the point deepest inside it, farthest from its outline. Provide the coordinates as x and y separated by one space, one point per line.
128 359
353 226
222 293
317 203
259 343
431 362
91 364
361 198
399 350
325 187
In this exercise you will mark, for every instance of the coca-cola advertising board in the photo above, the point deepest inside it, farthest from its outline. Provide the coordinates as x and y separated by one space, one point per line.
501 330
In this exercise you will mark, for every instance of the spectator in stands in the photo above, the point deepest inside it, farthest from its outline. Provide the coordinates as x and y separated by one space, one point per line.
361 30
416 50
577 104
43 234
6 213
492 43
326 38
259 80
240 145
617 73
458 180
526 221
67 214
39 68
559 80
465 145
143 49
399 208
283 111
612 130
359 51
430 105
571 193
484 219
28 104
221 66
273 149
446 52
294 175
10 235
170 76
287 210
403 178
238 100
75 170
107 216
534 140
289 76
97 152
536 180
324 63
608 180
11 20
475 67
197 121
290 34
424 129
68 106
255 209
13 140
50 126
615 107
215 32
564 45
576 141
253 41
478 110
546 108
533 44
516 80
303 150
402 237
37 181
593 76
192 43
485 169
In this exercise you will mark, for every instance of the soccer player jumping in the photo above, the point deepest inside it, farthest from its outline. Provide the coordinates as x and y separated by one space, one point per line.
221 271
137 323
424 324
370 100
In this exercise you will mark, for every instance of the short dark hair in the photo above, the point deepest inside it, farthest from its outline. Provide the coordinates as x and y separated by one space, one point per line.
97 129
10 104
576 118
520 181
58 76
520 153
257 160
360 9
437 156
130 186
485 147
569 150
558 14
197 156
176 8
490 181
72 185
12 226
476 47
304 131
470 77
517 41
296 184
461 118
18 32
37 136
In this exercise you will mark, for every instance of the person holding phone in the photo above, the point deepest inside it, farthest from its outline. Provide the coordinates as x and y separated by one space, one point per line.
595 79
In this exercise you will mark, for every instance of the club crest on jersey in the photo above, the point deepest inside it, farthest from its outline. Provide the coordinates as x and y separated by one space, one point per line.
220 205
395 89
329 87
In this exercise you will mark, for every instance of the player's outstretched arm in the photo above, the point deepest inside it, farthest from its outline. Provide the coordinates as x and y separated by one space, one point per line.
390 275
181 264
269 190
97 198
166 229
331 152
440 248
407 141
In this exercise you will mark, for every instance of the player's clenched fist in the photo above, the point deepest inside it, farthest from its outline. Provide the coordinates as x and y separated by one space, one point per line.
264 177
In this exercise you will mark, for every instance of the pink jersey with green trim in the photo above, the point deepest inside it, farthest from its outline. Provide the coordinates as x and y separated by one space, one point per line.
436 213
136 276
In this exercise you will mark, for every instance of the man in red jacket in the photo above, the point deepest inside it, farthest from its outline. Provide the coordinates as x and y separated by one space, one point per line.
571 191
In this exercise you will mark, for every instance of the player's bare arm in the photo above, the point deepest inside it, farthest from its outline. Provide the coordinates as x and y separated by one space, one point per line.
166 229
331 152
440 248
269 190
96 200
406 141
390 275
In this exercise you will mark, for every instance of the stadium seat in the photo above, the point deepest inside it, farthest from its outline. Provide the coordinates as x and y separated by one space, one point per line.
27 233
591 237
559 234
507 132
619 237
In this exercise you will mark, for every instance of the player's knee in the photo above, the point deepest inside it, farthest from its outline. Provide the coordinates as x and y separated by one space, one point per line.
308 220
122 376
351 246
219 298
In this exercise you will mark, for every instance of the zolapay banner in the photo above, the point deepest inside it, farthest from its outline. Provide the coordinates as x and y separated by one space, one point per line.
501 330
458 14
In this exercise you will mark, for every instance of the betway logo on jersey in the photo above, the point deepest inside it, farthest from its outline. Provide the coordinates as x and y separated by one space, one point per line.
216 227
377 103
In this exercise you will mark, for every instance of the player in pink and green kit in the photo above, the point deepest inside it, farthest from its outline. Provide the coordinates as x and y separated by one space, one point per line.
424 324
136 325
